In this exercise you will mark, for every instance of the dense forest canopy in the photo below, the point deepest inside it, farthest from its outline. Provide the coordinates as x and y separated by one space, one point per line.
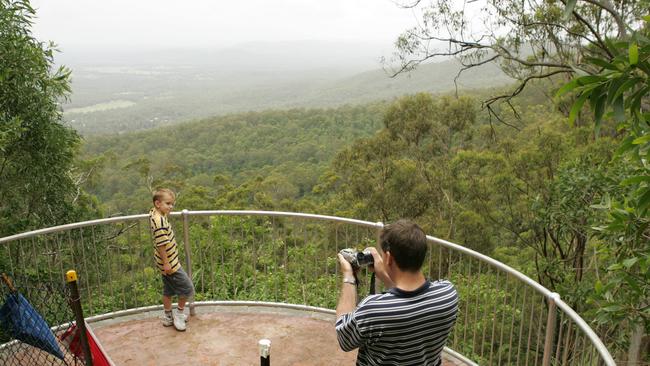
285 150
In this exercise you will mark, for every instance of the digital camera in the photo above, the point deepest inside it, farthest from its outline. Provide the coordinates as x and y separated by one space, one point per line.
356 258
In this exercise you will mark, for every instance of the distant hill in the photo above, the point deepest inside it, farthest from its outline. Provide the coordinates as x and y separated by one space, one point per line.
117 96
432 77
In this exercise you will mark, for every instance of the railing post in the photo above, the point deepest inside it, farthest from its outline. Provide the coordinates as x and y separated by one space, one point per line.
379 228
550 328
75 304
188 255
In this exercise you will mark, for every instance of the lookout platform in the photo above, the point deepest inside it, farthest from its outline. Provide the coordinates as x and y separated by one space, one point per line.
227 335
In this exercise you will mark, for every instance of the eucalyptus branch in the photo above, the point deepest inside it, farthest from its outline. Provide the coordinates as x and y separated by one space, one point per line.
463 43
411 63
513 109
414 4
592 30
608 7
556 243
510 57
491 112
119 232
4 164
556 25
488 103
517 234
469 66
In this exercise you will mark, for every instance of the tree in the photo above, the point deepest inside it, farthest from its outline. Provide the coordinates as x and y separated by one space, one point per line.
36 150
623 86
604 46
537 39
403 170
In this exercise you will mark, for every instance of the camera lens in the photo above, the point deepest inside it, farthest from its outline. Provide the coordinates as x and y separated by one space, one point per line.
365 259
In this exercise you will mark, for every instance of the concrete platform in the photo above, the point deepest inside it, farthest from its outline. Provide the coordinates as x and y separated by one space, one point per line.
227 335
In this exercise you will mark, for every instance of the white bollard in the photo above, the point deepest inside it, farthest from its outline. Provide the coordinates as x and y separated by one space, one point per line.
265 352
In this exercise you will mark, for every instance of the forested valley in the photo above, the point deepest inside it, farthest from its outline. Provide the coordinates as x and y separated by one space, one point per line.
524 191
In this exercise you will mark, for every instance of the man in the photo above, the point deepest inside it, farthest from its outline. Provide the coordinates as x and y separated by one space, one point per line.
408 324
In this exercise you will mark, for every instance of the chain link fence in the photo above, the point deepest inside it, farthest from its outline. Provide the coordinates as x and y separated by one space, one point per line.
22 343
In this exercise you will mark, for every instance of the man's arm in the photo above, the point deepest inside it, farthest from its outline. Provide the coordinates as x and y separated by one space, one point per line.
348 299
347 333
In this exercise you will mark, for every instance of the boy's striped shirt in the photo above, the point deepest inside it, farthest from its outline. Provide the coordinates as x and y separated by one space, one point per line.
399 327
163 235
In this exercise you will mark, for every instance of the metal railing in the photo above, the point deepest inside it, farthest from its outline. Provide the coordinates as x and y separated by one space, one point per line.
505 317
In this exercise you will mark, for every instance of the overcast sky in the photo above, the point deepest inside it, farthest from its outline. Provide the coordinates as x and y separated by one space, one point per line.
215 23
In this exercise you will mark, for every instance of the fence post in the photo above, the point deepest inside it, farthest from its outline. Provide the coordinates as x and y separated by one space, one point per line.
550 328
380 227
188 255
75 304
265 352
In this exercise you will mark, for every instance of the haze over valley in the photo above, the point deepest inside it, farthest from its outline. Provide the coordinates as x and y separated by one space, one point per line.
116 91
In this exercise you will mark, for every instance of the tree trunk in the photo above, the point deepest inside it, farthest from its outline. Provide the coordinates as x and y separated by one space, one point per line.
634 352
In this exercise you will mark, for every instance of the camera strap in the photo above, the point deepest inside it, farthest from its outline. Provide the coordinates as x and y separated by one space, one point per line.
371 290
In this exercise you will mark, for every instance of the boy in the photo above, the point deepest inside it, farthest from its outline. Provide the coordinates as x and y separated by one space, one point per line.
175 281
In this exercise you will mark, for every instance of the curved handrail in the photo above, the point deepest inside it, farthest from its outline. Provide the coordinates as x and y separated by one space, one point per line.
77 225
552 297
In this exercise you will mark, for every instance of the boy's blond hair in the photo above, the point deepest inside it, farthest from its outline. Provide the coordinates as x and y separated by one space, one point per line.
160 192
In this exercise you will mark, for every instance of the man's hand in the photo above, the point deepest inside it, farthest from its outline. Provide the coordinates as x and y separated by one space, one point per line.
346 267
167 268
379 267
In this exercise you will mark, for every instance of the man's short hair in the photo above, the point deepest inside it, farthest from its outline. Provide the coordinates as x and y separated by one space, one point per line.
160 192
406 242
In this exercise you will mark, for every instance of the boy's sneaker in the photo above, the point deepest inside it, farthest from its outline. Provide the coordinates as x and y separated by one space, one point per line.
167 320
183 315
179 320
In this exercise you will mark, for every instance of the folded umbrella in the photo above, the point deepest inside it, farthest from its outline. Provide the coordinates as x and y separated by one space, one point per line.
24 323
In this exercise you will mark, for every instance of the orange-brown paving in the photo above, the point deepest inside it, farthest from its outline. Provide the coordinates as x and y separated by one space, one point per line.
226 338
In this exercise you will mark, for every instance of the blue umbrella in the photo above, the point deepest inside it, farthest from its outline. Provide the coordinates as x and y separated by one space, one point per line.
20 319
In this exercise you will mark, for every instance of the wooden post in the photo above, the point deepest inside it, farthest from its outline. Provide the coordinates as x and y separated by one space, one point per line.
75 304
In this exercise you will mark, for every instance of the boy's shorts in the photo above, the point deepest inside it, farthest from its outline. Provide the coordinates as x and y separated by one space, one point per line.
177 284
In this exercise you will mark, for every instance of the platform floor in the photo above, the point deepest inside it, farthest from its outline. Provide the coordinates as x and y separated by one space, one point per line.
226 337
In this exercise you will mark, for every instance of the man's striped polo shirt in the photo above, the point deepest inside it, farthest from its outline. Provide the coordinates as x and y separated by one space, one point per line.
399 327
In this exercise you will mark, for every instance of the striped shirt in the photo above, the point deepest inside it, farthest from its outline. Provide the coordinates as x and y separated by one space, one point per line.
399 327
163 235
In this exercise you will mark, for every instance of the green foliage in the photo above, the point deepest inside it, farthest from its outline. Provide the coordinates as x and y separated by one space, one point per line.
402 170
620 92
523 197
217 162
548 41
37 150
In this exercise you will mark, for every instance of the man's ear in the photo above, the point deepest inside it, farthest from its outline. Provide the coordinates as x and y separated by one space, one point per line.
389 258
